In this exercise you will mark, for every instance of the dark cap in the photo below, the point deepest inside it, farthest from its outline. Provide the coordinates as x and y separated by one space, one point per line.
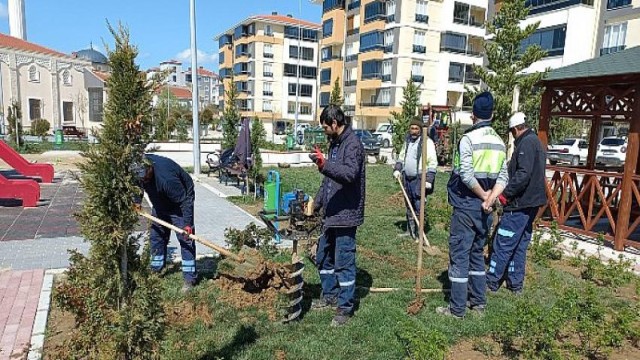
483 106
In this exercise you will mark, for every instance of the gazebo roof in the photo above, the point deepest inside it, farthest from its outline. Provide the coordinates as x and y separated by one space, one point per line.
624 62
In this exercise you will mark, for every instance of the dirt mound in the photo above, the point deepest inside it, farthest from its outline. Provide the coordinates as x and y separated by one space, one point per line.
415 307
187 312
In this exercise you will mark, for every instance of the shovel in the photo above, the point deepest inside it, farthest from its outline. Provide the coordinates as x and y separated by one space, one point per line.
431 250
248 265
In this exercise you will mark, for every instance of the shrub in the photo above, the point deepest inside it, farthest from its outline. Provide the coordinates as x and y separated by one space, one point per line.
544 250
40 127
422 345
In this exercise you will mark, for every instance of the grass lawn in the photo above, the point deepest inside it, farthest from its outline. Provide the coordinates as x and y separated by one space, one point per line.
205 325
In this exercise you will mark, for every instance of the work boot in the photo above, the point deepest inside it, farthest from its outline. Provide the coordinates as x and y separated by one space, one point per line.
323 304
340 319
412 229
477 309
445 310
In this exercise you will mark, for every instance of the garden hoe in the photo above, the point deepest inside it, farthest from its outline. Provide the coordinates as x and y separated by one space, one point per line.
248 265
431 250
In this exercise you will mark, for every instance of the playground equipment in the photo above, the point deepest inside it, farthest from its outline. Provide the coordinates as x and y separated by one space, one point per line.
24 167
26 190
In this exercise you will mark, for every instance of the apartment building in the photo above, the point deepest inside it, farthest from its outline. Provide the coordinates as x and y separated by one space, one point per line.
375 46
208 83
576 30
273 59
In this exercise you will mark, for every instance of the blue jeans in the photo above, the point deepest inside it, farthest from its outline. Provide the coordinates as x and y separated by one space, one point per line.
160 239
468 234
336 261
510 248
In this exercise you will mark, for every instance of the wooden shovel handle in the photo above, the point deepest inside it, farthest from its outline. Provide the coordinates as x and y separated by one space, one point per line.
415 217
202 241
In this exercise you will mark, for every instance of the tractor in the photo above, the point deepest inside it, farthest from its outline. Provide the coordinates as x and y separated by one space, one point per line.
441 118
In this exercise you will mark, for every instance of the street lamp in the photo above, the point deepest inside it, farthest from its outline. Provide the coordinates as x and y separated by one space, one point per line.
194 92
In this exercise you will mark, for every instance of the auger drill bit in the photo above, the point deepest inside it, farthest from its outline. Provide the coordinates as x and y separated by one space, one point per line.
294 285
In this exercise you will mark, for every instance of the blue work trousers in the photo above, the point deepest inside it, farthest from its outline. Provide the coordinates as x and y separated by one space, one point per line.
160 236
468 234
510 249
412 187
336 262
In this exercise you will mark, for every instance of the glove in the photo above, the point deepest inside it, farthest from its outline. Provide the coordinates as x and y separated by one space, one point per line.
317 157
502 199
188 230
137 207
428 186
396 174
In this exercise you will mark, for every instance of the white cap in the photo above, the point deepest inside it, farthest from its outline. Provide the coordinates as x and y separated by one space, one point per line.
517 119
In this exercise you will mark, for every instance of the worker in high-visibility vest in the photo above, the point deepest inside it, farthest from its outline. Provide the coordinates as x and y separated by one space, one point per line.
479 174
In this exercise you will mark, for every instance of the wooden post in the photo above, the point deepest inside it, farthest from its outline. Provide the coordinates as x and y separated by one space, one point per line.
593 142
630 165
545 117
423 197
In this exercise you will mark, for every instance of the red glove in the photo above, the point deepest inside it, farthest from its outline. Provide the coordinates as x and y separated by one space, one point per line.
188 230
502 199
318 157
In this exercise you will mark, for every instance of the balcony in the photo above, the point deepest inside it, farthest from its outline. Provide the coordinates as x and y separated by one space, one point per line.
371 76
267 74
353 5
350 83
268 55
375 104
386 77
331 58
422 18
351 58
417 78
617 4
390 18
388 49
267 93
611 50
355 31
346 108
419 49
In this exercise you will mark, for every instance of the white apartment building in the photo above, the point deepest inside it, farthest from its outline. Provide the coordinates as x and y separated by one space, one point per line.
264 53
208 83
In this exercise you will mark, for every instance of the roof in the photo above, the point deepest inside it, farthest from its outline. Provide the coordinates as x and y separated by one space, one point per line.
172 62
92 55
275 19
619 63
203 72
180 92
19 44
101 75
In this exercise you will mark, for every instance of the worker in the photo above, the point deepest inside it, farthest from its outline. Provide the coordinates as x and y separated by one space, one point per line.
521 200
171 192
340 201
408 168
479 170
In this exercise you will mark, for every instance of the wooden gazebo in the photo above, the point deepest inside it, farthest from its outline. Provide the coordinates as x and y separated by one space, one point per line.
593 200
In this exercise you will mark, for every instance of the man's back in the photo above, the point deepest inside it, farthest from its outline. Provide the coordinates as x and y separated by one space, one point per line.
171 185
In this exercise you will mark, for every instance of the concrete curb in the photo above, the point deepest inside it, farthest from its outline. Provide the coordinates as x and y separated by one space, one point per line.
42 314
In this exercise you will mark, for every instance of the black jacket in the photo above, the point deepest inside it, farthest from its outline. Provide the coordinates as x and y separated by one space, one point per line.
341 194
171 190
527 179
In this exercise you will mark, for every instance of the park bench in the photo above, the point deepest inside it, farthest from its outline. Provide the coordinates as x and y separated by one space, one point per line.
217 160
71 130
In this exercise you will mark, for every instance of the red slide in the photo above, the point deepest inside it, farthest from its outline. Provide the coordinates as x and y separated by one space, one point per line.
27 190
16 161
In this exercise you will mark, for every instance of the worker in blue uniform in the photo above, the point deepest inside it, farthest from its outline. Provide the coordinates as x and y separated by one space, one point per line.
479 173
171 192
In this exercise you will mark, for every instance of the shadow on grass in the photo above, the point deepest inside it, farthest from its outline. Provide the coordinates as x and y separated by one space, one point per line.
245 336
402 226
207 269
443 278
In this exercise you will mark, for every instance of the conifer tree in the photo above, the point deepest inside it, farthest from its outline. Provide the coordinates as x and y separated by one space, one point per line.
231 116
111 292
336 93
258 139
400 121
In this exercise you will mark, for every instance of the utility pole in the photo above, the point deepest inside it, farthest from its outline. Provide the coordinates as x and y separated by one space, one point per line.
194 92
295 126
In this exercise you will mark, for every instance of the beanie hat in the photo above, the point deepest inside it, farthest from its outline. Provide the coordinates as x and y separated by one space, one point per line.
483 106
517 119
416 122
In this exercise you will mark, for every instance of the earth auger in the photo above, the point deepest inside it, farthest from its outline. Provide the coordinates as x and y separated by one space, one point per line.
290 217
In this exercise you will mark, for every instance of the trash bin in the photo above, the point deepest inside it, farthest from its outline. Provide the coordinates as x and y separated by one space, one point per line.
58 138
314 136
290 141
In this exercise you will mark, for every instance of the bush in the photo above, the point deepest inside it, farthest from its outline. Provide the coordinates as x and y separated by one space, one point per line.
253 237
544 250
423 345
612 274
40 127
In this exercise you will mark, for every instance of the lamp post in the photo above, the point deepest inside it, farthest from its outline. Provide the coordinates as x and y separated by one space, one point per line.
295 126
194 92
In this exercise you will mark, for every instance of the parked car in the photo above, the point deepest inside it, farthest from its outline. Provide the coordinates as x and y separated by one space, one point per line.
612 151
371 143
572 151
301 128
385 134
280 127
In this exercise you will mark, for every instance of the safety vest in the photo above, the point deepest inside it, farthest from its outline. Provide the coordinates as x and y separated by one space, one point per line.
488 157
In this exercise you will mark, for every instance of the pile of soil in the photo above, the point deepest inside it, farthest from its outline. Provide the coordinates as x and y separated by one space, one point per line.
415 307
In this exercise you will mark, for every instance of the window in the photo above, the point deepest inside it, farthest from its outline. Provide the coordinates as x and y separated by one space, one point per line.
324 98
268 31
305 109
221 57
470 76
354 4
266 89
242 50
453 42
224 40
387 66
266 106
385 97
325 53
290 70
267 70
66 78
34 74
419 41
292 32
550 39
95 104
308 72
371 41
421 12
306 53
371 69
541 6
374 11
327 28
614 38
35 106
614 4
328 5
67 111
456 72
241 68
461 13
416 68
325 76
391 11
306 90
291 107
267 52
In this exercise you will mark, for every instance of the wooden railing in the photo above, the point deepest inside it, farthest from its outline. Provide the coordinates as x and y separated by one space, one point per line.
590 196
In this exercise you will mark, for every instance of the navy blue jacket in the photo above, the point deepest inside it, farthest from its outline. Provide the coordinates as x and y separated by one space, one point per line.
527 179
342 192
171 189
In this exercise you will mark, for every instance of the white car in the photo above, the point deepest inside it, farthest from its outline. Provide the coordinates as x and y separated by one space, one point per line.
384 132
612 151
301 128
572 151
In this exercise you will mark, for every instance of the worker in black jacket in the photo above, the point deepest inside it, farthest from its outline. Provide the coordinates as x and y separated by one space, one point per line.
521 198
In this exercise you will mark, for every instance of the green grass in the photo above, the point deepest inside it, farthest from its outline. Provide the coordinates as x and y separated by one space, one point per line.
41 147
383 260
